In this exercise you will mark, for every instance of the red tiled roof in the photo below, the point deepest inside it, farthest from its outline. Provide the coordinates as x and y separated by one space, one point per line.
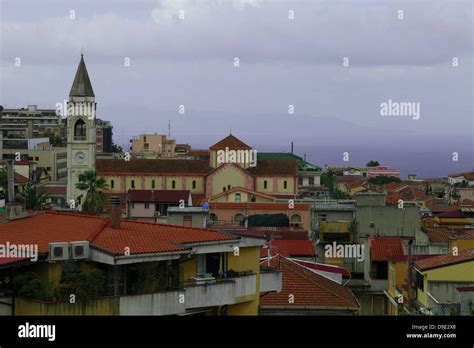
275 167
151 166
467 175
198 153
287 247
20 179
323 267
158 196
309 289
143 237
231 142
382 248
140 237
48 227
54 190
438 234
445 260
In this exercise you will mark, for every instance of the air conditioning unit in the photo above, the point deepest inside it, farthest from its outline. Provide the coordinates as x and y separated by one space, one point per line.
58 251
80 250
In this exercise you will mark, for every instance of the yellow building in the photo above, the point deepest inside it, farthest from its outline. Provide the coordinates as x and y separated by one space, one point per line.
441 282
153 146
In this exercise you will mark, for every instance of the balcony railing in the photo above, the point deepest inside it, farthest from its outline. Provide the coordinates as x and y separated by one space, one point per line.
194 294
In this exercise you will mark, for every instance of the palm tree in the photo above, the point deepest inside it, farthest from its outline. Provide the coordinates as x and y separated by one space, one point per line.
94 197
34 199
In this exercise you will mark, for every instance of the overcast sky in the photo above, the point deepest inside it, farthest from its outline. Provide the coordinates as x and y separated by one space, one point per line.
283 62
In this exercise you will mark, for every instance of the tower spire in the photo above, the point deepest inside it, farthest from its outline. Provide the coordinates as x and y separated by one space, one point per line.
81 87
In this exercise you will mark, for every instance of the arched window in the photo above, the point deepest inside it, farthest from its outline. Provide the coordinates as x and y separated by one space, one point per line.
173 184
80 130
153 184
214 217
295 220
112 184
239 218
194 184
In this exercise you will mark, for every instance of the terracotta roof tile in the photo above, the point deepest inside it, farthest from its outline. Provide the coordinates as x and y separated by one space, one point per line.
382 248
308 288
288 247
140 237
438 234
231 142
152 166
445 260
275 167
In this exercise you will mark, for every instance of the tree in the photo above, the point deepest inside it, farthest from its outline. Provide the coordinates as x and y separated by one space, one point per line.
372 164
383 180
94 198
55 140
34 199
117 148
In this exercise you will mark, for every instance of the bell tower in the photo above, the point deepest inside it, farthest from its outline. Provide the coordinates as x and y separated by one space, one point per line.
81 130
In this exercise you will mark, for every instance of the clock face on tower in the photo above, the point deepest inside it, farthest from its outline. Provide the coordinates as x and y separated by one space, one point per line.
80 156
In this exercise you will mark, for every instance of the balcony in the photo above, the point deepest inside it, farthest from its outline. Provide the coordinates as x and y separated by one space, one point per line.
335 227
160 303
194 294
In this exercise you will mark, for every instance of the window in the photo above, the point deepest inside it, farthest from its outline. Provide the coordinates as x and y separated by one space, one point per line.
146 146
133 205
147 205
285 184
36 158
239 218
173 184
265 184
237 197
153 184
194 184
223 189
311 181
133 183
187 221
300 181
295 220
112 184
228 187
80 130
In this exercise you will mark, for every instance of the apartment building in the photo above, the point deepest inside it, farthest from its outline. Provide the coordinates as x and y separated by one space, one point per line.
124 267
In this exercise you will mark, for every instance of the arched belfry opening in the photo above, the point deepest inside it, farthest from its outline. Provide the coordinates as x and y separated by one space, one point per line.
80 130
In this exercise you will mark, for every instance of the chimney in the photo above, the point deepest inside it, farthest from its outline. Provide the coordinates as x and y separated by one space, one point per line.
11 181
291 147
115 212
